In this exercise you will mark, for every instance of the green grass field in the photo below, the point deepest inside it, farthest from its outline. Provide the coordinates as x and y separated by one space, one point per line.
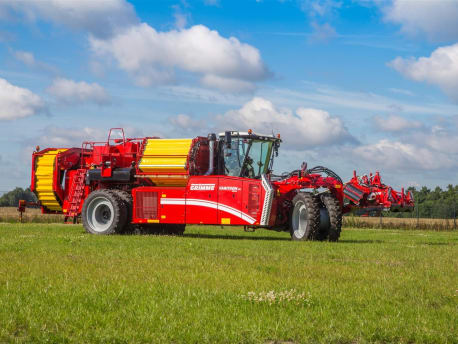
59 284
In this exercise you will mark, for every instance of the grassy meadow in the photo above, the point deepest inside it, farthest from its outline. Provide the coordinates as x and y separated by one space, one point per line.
61 285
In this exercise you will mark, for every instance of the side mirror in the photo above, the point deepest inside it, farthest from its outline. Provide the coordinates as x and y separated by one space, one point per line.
228 139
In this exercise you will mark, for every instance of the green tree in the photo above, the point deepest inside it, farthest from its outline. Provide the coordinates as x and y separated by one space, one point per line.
436 203
11 199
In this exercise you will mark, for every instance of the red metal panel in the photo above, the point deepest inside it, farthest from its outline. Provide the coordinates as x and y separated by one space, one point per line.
252 199
158 205
172 204
202 200
253 194
230 201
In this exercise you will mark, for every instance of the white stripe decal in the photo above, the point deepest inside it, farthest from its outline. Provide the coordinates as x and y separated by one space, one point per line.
173 201
209 204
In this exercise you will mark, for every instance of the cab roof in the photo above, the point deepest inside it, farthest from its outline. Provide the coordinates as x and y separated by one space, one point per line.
252 135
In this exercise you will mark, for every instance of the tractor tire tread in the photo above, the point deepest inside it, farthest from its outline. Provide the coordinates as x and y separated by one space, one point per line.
323 233
335 215
126 197
313 215
119 211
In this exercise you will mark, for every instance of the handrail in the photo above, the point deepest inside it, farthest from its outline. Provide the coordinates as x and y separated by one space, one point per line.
123 136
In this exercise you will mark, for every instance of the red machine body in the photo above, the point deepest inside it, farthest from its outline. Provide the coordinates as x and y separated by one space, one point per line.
205 200
156 183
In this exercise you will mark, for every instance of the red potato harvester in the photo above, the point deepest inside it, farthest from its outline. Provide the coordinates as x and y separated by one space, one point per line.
161 185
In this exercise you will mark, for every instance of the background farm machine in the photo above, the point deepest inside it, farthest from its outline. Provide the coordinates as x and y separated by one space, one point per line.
160 185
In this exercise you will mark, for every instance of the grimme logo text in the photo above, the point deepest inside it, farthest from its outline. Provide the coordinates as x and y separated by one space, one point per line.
202 187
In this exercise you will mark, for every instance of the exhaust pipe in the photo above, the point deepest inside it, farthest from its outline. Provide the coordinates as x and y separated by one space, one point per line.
211 153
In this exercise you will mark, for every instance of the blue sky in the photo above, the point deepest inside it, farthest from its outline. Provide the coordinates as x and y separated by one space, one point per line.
365 85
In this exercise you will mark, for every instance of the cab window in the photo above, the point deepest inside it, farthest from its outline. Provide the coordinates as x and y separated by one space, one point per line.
247 158
235 156
258 158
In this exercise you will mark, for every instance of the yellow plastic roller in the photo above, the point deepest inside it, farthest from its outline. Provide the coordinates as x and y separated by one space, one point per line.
44 172
164 159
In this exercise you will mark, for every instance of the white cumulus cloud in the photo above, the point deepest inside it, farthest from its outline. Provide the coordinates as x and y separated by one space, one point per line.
151 57
322 32
17 102
439 138
184 121
403 156
437 19
432 148
29 60
72 92
320 11
319 8
441 69
302 129
100 18
395 123
25 57
53 136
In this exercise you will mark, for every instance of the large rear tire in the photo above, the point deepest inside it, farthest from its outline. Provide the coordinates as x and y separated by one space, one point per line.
104 212
126 197
334 210
305 217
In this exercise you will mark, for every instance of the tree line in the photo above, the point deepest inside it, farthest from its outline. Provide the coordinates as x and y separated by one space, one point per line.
433 203
11 198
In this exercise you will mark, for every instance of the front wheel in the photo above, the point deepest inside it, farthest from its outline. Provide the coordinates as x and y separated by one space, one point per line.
104 212
305 217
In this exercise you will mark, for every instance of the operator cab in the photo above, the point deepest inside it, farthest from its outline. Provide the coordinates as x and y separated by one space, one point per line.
246 154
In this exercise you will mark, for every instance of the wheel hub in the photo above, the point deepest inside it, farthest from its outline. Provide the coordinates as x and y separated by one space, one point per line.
100 214
300 220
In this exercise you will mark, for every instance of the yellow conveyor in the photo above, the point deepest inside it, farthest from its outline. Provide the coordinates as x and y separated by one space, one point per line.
165 160
44 171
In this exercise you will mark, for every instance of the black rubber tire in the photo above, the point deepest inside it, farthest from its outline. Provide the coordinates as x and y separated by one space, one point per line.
118 213
325 223
126 197
305 207
334 209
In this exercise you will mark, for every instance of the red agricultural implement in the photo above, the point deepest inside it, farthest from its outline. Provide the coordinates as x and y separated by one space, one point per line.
161 185
370 196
